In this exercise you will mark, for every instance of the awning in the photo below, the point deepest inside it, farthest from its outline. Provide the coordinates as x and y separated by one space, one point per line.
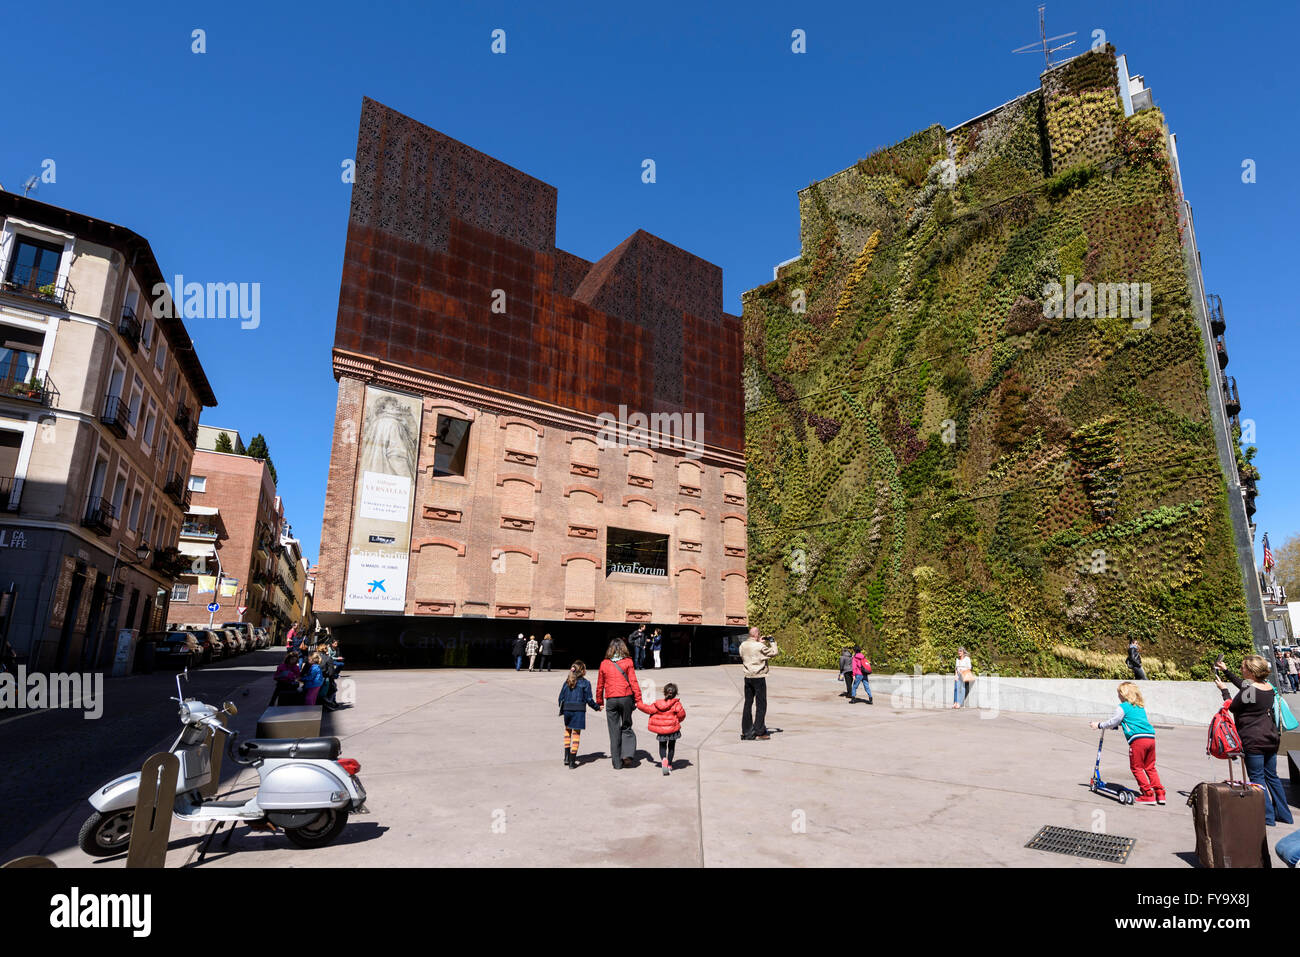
207 550
201 510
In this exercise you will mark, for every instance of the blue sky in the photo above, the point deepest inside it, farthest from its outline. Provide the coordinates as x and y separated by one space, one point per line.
229 161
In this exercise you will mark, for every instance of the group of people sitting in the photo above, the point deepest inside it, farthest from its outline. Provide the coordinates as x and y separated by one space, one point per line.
308 676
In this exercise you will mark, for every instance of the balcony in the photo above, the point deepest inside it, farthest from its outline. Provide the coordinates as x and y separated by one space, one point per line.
129 327
11 491
177 490
199 530
1217 323
38 390
41 285
189 425
99 516
116 415
1231 401
1221 348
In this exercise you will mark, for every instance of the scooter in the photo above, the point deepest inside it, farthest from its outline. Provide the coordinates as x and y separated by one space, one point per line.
303 785
1098 786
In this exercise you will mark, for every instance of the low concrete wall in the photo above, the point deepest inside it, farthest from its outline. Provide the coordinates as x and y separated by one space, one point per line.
1090 699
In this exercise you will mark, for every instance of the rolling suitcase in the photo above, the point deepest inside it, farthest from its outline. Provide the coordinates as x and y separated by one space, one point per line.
1229 819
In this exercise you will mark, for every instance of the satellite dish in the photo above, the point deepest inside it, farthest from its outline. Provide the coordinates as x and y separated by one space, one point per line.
30 185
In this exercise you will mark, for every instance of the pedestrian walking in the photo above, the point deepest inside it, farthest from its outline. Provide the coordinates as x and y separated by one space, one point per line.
575 699
1131 718
666 717
861 669
531 651
312 680
637 642
656 645
755 653
1135 660
846 670
1293 670
518 651
1252 708
548 649
963 675
618 692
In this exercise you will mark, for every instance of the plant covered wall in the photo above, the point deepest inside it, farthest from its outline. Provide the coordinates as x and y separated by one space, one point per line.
942 451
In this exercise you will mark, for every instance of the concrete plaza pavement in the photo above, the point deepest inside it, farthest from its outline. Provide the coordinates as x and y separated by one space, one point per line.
461 770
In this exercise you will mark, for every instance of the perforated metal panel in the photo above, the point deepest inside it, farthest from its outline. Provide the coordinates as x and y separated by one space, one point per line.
1095 847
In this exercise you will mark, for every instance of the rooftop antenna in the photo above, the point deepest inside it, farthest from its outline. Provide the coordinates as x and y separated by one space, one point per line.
31 184
1045 44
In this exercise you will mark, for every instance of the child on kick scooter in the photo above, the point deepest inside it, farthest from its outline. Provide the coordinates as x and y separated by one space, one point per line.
1131 718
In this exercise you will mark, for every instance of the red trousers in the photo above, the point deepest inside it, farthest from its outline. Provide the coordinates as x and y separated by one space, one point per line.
1142 762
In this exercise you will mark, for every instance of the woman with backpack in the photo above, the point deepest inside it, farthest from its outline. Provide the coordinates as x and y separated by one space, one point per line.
861 668
1252 708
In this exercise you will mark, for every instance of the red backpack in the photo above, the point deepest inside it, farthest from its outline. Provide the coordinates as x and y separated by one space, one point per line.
1223 740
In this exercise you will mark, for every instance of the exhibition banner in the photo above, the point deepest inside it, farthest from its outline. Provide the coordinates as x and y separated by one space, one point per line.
380 546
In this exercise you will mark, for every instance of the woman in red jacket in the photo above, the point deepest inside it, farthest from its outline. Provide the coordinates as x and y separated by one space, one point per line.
666 717
617 682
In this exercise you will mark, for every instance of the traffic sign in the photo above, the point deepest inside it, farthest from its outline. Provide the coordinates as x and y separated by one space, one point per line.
241 609
214 606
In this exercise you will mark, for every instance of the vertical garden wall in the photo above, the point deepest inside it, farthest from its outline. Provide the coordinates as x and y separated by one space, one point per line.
945 448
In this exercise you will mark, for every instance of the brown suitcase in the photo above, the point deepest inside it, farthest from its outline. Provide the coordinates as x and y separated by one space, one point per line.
1229 819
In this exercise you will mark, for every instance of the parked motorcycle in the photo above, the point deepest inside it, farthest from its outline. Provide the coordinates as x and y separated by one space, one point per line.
303 785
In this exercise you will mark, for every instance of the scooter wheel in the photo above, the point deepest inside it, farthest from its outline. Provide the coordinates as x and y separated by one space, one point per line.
105 834
1128 797
321 831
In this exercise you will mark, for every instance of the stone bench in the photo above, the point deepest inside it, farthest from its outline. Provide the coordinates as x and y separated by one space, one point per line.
290 721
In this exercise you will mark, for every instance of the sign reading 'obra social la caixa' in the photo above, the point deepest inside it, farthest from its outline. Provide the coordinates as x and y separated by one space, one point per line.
380 547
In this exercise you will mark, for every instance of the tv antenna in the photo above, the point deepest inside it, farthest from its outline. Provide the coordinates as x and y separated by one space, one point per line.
31 184
1045 44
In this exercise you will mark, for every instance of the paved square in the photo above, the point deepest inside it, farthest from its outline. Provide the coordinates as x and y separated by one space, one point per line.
461 769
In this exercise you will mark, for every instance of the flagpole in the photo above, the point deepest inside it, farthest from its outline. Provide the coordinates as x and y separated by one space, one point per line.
216 592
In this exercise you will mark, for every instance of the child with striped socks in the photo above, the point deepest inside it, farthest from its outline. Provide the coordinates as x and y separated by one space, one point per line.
575 698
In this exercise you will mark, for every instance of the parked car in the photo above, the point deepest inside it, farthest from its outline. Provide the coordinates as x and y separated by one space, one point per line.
178 649
264 635
241 642
213 647
245 631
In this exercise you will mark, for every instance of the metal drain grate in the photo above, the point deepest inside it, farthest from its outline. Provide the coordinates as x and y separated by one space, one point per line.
1096 847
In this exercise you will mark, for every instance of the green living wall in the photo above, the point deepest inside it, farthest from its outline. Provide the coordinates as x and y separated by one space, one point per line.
939 456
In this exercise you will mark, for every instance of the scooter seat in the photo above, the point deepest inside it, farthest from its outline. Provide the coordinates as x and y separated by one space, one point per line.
326 749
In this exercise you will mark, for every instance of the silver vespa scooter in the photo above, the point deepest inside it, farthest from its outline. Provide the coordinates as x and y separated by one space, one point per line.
303 785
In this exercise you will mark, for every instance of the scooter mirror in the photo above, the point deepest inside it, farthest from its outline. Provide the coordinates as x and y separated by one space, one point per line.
229 708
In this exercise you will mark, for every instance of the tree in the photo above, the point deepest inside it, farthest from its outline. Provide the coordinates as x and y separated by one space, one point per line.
239 445
223 443
257 449
1287 568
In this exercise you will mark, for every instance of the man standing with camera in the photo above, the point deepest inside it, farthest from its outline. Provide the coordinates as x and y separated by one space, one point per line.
755 652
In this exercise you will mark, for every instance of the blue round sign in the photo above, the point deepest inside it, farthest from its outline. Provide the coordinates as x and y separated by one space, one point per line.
213 606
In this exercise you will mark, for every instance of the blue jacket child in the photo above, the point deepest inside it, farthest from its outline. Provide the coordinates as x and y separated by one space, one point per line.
575 698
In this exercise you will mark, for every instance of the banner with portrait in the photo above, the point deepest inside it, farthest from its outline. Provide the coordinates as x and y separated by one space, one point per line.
383 502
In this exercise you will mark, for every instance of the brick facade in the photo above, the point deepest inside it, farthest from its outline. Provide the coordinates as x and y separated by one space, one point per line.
435 229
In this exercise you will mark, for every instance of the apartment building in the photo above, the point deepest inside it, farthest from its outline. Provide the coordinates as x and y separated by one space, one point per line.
232 538
100 395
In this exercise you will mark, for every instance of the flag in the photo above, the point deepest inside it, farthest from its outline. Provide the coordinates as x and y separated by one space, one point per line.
207 584
1268 555
228 587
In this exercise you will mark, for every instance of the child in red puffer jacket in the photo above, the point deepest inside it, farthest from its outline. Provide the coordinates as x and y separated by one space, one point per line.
666 717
